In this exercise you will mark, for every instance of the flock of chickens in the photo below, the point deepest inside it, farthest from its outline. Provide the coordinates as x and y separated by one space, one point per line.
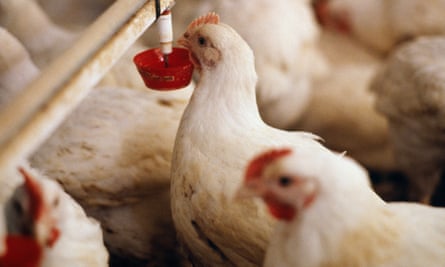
281 153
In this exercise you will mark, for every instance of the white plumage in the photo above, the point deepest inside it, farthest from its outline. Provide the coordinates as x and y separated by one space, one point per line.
113 154
341 109
79 242
45 41
338 220
42 38
219 131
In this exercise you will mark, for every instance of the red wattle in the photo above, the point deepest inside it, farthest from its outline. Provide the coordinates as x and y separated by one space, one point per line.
279 210
21 252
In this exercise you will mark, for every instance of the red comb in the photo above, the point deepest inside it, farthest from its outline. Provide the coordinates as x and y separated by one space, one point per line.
210 18
35 192
256 166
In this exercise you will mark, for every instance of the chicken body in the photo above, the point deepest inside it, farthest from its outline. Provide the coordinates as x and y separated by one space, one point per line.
42 38
45 41
338 220
219 130
341 109
410 93
382 24
121 142
76 239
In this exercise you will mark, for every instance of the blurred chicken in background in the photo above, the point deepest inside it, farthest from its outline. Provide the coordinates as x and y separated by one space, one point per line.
410 92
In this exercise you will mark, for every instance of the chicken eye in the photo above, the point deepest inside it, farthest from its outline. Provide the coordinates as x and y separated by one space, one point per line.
285 181
202 41
17 207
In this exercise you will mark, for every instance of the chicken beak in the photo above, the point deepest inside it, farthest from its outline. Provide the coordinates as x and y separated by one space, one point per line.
183 42
46 232
41 232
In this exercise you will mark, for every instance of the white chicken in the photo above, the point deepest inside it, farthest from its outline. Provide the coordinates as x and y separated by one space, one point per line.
381 24
284 39
42 38
45 40
121 142
330 216
341 109
220 129
40 211
112 154
410 93
16 67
